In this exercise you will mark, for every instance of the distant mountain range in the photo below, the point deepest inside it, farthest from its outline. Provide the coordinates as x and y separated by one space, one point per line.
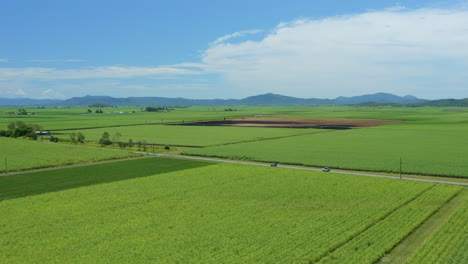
258 100
27 102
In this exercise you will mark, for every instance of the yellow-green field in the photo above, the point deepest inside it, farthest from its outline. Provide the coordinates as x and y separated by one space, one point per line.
217 214
168 210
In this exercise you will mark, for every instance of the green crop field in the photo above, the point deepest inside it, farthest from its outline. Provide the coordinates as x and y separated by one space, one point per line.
197 136
430 142
61 179
78 118
21 154
222 213
432 152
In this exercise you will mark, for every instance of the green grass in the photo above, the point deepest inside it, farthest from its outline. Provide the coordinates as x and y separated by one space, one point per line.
449 243
22 154
195 136
50 181
224 213
424 149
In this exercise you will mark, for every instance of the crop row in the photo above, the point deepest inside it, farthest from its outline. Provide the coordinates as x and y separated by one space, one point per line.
372 244
225 213
449 244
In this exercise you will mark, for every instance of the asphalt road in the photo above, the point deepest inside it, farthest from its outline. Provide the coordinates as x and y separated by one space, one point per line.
303 168
240 162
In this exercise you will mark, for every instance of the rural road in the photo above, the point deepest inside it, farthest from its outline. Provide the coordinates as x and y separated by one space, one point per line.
232 161
301 168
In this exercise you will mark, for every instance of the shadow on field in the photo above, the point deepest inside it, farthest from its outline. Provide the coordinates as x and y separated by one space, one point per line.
50 181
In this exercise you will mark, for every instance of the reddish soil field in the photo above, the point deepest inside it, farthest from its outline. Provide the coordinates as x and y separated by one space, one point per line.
293 123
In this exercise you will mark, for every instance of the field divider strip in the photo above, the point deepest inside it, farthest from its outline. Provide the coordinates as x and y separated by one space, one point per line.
449 207
273 138
382 218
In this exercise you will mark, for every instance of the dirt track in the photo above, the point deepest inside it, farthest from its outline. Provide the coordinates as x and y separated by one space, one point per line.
293 123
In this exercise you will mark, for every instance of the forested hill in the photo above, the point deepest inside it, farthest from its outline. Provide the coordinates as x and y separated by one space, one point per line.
258 100
446 102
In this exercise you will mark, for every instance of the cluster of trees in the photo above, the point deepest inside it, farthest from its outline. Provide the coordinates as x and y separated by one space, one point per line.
53 139
77 137
97 111
106 140
22 111
21 129
99 105
157 109
230 109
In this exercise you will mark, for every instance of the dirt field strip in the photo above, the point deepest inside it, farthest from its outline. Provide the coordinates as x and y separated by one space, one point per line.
409 245
318 123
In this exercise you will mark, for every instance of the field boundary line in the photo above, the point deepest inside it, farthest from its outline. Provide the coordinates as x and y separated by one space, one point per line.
374 223
72 166
414 240
272 138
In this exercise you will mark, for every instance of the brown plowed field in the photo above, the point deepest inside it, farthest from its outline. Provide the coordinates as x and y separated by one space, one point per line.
293 123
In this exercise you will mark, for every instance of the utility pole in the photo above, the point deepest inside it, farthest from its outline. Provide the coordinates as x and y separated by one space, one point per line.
400 167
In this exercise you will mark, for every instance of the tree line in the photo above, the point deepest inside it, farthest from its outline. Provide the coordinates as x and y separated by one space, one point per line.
21 129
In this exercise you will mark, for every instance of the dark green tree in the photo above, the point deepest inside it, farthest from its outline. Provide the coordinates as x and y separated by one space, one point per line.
105 140
73 137
80 137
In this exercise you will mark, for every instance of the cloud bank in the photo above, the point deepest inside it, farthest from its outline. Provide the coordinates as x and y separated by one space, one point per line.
421 51
104 72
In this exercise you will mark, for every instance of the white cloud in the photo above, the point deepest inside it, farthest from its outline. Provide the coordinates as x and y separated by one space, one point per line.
19 92
118 72
422 52
235 35
393 50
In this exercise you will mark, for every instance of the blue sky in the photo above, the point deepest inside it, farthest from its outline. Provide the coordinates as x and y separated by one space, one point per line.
233 49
